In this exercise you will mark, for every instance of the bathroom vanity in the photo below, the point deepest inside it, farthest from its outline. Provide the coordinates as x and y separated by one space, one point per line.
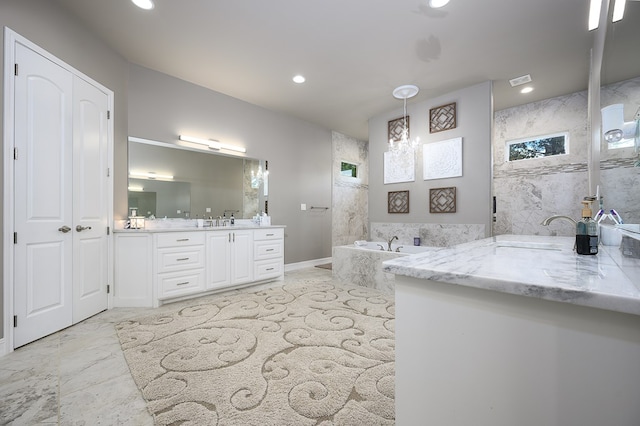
517 330
156 266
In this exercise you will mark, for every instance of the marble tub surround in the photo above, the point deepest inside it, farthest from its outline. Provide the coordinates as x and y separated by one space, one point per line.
534 266
431 234
363 266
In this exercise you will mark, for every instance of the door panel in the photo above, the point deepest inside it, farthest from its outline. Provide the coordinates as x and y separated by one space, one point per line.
43 203
90 197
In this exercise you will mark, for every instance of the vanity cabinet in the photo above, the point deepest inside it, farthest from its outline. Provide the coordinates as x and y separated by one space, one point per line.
179 267
268 253
230 257
155 267
133 279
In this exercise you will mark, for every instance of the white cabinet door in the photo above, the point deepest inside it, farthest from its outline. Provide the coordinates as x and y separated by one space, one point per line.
43 207
133 285
242 257
218 259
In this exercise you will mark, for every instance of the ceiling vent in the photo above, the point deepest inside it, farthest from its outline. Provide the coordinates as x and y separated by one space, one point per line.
520 80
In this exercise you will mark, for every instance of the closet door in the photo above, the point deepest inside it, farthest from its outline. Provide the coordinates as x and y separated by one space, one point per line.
42 196
90 196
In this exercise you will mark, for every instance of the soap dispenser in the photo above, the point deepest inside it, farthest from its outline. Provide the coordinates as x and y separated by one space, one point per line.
586 231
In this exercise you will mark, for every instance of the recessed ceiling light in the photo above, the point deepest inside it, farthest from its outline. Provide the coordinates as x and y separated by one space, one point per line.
299 79
438 3
527 89
144 4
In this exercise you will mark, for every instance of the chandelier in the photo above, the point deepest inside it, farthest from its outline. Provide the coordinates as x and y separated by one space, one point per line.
257 178
404 144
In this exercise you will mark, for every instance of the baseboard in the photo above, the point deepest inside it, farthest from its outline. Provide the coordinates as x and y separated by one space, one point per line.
306 264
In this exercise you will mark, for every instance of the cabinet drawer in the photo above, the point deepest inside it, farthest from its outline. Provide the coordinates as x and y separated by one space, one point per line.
265 269
268 234
179 239
267 249
178 284
178 259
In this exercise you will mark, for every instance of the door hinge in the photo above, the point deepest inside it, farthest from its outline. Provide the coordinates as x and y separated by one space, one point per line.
108 172
15 321
108 230
15 153
108 288
15 238
108 115
15 69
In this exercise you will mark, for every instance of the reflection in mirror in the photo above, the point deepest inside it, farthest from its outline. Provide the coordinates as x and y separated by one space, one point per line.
194 183
619 173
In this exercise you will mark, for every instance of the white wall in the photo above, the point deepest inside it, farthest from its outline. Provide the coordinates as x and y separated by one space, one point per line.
473 189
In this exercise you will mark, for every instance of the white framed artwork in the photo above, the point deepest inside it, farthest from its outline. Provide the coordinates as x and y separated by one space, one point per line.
399 166
442 159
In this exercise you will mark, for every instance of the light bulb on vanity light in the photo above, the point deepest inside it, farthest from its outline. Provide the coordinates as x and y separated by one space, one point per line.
212 144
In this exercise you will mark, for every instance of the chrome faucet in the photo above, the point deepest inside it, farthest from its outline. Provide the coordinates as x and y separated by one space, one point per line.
395 237
550 219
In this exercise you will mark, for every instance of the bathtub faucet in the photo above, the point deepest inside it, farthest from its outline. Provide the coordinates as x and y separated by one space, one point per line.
395 237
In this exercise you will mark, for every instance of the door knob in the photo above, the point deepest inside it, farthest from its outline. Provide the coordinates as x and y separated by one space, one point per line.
64 229
80 228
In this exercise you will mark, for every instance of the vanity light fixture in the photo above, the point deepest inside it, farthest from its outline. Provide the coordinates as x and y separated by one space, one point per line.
596 7
144 4
212 144
594 14
150 175
618 10
135 188
404 144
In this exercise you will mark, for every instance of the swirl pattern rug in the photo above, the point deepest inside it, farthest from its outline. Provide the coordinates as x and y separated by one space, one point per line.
315 354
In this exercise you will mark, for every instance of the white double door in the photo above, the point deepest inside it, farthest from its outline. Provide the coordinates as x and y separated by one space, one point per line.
60 197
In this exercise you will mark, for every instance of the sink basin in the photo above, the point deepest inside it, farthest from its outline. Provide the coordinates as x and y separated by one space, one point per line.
528 245
631 227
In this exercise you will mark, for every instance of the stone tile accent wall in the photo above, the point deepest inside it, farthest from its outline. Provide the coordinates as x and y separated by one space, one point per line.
431 234
350 200
528 191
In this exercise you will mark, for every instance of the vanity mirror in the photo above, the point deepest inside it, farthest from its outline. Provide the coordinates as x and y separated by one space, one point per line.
178 181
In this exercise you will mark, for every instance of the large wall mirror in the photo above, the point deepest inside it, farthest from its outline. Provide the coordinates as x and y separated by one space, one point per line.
174 181
619 179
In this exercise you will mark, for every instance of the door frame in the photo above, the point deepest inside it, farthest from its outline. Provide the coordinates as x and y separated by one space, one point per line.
10 40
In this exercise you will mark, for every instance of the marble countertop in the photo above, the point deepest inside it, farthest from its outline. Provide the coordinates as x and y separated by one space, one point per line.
237 227
533 266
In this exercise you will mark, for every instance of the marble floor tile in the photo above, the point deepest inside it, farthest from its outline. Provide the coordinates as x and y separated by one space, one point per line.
78 376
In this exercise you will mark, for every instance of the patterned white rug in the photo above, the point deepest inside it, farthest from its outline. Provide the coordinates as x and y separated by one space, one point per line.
313 354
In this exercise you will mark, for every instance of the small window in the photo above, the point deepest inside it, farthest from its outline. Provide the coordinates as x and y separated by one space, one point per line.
348 169
538 147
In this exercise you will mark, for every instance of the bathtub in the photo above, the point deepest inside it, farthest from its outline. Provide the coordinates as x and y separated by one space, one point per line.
395 248
361 264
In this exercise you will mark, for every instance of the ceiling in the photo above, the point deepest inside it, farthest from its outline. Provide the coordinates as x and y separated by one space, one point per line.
353 53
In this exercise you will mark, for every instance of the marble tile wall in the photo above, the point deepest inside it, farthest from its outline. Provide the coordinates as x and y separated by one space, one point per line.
356 266
431 234
350 200
528 191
